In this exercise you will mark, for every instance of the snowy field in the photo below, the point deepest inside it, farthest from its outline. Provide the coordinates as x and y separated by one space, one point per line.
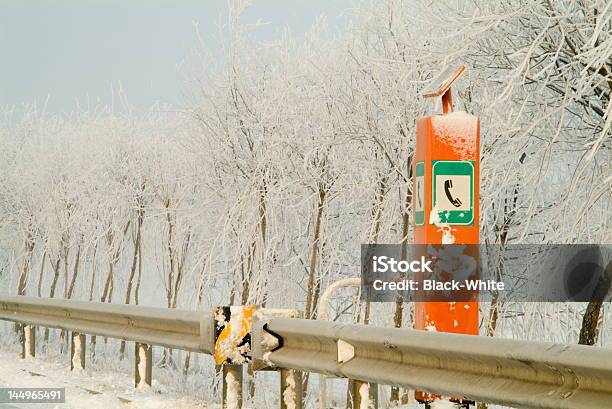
95 388
84 389
103 389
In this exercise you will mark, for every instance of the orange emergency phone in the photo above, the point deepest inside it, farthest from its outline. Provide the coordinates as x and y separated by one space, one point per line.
446 163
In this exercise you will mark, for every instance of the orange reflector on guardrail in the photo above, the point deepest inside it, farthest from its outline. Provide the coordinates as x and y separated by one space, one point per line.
233 334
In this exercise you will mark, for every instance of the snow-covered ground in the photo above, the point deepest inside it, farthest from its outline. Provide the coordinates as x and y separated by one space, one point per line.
107 382
85 389
106 389
89 389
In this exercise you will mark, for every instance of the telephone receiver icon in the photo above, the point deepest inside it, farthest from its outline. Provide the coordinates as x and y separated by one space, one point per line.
448 184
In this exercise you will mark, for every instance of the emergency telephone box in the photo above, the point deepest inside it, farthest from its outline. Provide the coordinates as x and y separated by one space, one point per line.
445 202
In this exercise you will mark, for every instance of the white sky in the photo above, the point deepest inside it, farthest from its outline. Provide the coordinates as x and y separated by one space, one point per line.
70 50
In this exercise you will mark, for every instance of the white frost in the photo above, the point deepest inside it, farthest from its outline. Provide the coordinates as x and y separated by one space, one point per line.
289 395
232 391
220 317
447 231
268 343
431 327
434 217
76 356
266 313
100 389
447 235
452 259
27 341
458 130
364 394
142 366
443 404
229 347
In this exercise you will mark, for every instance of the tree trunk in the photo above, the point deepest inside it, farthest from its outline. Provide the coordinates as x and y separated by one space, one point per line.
41 273
171 254
138 280
107 294
28 251
108 284
63 333
75 272
180 269
398 316
309 313
65 258
589 332
310 295
52 289
377 210
263 229
128 291
187 364
93 273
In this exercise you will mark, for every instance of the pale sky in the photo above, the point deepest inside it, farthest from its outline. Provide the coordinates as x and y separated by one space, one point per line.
72 49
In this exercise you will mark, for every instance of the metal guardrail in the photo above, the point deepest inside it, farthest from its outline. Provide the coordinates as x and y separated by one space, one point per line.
507 372
172 328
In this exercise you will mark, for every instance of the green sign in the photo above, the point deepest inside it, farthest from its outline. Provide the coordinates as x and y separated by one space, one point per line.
453 191
419 193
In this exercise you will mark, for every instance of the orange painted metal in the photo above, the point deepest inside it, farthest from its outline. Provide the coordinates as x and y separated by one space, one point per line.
231 342
450 136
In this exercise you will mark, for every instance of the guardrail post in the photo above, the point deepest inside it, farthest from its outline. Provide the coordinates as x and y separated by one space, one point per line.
28 341
143 365
365 395
322 391
250 381
290 389
232 386
77 351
